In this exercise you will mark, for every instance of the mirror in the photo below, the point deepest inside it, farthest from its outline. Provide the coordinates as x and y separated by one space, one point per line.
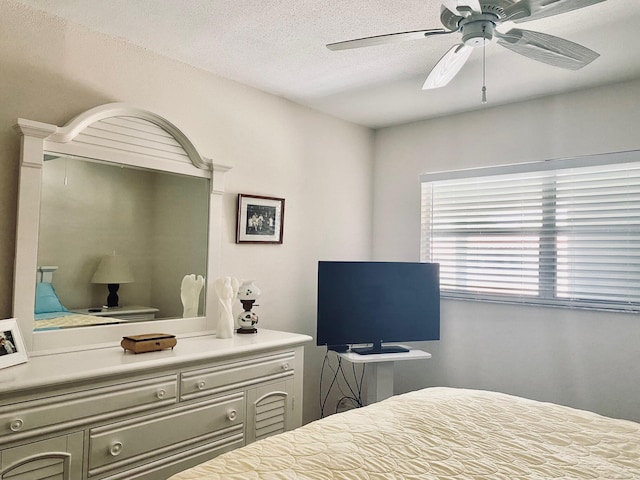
136 172
154 221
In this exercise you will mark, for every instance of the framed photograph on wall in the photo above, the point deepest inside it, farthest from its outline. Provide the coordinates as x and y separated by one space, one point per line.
260 219
12 350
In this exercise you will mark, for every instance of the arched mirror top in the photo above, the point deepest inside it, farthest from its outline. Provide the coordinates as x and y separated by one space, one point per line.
120 134
118 130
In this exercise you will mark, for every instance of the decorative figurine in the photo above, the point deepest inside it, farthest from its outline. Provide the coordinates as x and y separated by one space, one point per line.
226 289
190 294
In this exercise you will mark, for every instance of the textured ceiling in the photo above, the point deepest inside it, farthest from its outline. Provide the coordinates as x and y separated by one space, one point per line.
279 46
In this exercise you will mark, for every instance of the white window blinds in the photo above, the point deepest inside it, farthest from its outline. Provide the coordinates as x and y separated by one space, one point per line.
560 233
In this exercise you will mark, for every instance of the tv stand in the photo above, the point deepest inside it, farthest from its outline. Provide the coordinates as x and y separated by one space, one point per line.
380 370
378 349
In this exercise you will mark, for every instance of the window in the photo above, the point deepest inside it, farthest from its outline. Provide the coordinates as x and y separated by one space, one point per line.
558 233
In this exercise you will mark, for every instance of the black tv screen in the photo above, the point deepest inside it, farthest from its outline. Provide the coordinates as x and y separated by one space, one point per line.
377 302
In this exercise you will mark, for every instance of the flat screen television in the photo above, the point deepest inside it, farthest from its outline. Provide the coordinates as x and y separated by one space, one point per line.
377 302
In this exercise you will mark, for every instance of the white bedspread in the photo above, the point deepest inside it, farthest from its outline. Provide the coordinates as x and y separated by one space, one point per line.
441 433
74 320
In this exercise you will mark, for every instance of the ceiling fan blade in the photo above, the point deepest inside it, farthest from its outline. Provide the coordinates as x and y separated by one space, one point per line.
448 66
462 7
546 48
546 8
385 39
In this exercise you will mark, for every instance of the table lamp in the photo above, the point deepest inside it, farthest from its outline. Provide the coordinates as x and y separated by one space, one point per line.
113 270
248 293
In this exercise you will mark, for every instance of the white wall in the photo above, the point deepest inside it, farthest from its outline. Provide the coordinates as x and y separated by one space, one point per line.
53 70
585 359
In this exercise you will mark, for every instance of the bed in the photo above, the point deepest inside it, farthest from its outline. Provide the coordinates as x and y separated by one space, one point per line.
437 434
70 320
51 314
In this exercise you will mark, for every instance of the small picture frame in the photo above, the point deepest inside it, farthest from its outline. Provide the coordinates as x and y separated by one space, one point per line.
260 219
12 349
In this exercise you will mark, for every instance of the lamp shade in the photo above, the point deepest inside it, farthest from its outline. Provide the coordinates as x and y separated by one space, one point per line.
248 291
113 269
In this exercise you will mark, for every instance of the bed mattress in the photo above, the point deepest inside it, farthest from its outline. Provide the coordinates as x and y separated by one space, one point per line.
441 433
73 320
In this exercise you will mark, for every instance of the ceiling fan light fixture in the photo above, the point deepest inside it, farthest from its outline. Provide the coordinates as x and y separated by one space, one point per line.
476 32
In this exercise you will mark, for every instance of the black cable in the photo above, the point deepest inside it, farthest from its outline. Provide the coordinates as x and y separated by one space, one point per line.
345 396
353 394
354 401
321 403
361 381
333 381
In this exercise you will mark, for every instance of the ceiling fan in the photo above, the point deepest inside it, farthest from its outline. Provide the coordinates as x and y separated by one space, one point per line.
477 21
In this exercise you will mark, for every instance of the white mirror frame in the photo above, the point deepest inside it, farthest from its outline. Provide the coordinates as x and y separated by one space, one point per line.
104 133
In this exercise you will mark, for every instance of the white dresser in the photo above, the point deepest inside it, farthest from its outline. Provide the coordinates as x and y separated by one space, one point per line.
107 414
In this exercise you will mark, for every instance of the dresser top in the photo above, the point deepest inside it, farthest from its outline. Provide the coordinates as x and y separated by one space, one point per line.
77 366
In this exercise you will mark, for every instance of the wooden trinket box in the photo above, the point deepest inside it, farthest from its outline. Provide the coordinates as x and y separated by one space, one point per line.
149 342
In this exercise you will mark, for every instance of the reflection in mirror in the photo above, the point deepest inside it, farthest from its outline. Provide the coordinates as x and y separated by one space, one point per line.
156 221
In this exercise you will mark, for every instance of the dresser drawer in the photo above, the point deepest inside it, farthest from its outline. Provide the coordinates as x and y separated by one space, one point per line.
63 411
229 376
128 442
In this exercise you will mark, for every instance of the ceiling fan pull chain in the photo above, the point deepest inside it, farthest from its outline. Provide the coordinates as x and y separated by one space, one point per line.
484 74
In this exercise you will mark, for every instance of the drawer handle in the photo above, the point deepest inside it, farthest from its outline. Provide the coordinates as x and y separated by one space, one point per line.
116 449
285 366
16 425
201 384
161 393
231 415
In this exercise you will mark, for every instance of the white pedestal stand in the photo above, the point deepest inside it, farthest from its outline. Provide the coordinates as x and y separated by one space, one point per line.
380 370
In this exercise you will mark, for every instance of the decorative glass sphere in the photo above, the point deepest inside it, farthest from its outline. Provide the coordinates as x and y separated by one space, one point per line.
247 320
